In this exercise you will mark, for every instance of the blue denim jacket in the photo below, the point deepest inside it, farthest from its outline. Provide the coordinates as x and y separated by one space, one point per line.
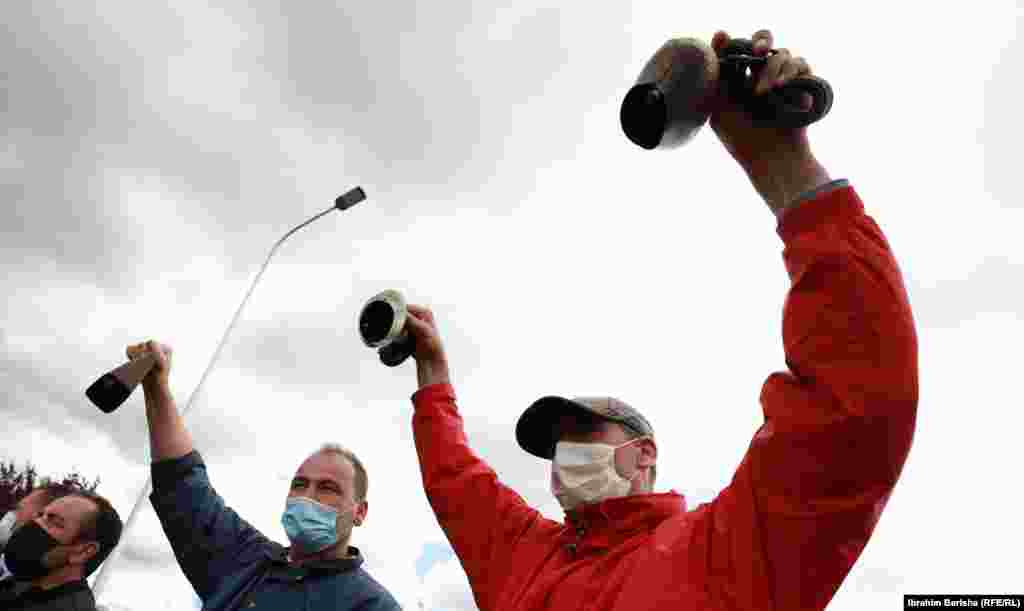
231 565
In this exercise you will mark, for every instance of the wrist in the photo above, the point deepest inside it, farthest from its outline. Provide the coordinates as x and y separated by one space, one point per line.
434 371
156 390
781 178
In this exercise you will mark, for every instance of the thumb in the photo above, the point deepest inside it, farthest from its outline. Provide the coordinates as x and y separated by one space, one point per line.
161 352
419 328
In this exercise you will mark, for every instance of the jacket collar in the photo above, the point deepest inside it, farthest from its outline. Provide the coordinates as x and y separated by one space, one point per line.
614 520
279 556
13 589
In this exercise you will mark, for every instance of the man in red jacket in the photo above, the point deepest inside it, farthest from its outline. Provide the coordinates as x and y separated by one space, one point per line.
807 495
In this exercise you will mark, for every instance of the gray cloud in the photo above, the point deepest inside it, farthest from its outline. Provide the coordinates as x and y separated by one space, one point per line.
955 300
410 86
89 93
77 110
53 205
875 579
51 396
413 101
138 553
1001 124
319 350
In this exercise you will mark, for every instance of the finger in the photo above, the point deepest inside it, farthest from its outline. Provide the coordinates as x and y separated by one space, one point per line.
789 71
419 328
796 67
771 71
719 40
763 41
421 312
134 351
803 68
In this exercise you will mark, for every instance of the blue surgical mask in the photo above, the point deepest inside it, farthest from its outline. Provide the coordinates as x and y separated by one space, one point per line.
310 525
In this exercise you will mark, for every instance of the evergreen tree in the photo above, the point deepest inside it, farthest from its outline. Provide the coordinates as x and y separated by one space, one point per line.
16 483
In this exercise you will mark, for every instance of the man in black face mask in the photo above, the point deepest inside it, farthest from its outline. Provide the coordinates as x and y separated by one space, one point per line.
51 555
29 508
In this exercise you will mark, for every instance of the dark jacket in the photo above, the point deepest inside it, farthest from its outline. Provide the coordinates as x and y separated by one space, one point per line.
21 596
802 503
230 564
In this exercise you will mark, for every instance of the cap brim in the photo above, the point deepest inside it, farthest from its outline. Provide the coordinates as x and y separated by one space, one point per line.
537 429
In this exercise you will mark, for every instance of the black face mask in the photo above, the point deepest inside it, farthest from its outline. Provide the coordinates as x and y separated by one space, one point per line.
26 549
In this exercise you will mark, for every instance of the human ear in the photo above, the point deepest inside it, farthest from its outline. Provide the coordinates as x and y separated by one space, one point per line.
359 513
648 453
85 553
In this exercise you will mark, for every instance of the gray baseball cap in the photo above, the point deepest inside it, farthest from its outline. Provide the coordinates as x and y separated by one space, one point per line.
537 430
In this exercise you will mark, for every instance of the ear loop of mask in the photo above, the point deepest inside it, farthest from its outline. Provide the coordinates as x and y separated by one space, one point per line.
637 471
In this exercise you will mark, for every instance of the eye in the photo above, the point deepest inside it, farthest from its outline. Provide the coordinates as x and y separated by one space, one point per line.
52 521
298 483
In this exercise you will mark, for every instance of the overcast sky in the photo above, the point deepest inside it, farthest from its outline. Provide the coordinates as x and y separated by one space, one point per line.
152 155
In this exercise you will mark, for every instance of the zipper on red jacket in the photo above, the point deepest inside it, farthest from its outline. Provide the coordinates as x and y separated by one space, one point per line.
572 547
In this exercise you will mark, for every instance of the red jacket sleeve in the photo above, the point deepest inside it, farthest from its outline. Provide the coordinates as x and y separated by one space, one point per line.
483 519
838 425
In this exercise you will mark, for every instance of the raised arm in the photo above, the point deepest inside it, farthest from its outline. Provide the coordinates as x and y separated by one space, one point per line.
839 423
211 543
168 437
483 519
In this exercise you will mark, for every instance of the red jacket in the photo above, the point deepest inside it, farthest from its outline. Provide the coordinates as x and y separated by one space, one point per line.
801 505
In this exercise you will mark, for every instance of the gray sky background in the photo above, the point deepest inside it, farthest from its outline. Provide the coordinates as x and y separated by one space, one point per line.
151 155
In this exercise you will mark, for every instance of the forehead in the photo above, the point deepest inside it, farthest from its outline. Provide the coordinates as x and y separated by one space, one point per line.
35 499
73 509
323 465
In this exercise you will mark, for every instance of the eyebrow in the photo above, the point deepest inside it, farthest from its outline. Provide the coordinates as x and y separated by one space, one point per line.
56 517
303 478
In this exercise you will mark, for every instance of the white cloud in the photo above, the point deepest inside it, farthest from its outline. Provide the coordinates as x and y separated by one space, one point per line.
445 588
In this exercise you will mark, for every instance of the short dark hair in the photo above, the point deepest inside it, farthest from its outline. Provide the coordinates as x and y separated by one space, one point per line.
362 480
54 490
102 525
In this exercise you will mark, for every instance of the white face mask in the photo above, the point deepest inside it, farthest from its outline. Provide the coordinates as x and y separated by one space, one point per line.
6 528
584 473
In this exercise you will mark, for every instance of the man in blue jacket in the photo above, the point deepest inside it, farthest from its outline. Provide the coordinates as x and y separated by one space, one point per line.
232 565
